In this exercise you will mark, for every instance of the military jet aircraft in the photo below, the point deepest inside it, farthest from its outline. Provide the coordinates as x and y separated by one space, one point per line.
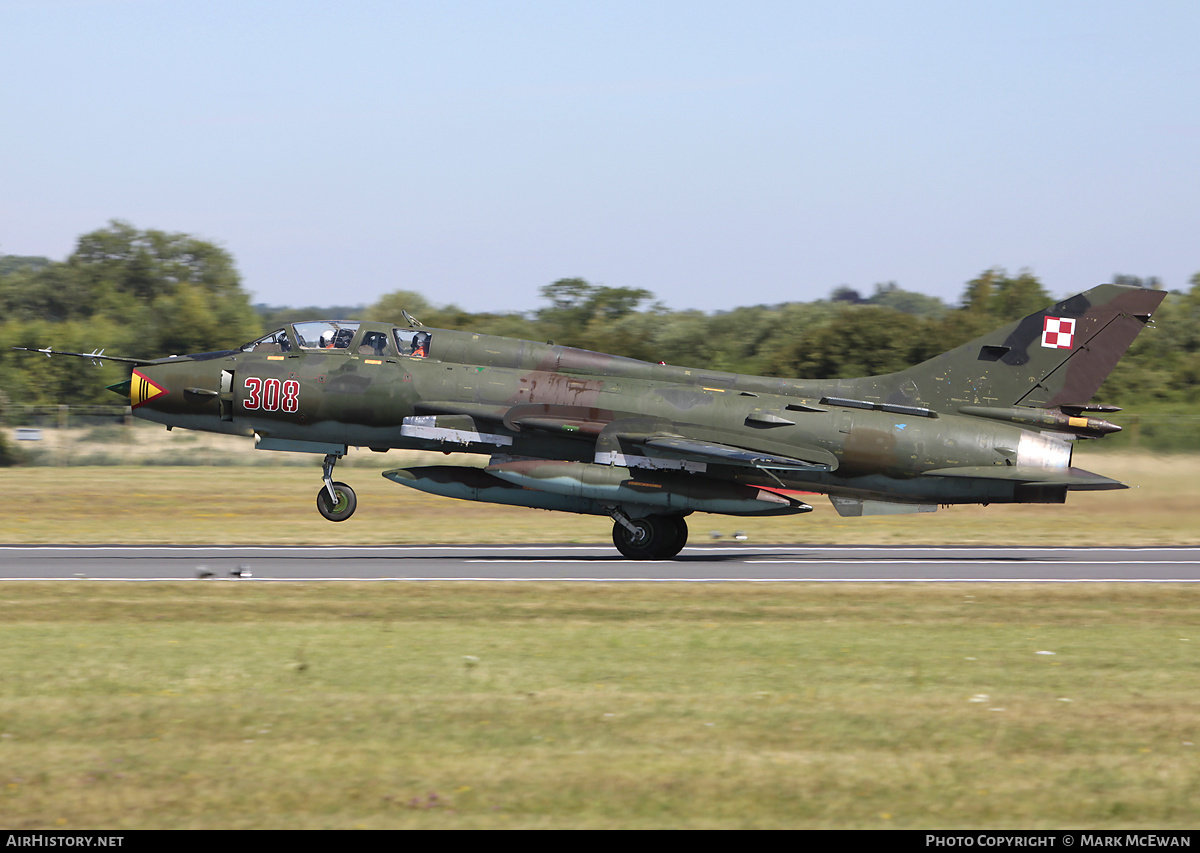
991 421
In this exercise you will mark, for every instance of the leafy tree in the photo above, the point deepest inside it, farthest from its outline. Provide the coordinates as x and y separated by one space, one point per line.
174 292
757 340
633 335
31 379
13 263
391 307
1000 298
1174 344
47 293
574 303
137 293
274 316
846 294
891 295
151 263
688 338
859 341
512 325
7 455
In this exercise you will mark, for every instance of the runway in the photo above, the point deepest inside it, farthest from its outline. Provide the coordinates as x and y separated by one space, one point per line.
596 563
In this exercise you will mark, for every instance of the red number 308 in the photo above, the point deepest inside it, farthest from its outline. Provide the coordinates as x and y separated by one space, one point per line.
271 395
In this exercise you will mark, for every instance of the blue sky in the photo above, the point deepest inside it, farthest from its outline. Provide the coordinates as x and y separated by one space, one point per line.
716 154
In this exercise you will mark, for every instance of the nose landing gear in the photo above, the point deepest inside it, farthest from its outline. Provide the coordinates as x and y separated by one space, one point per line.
335 501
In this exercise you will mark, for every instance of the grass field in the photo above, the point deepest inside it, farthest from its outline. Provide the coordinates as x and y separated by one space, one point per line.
276 504
459 705
456 705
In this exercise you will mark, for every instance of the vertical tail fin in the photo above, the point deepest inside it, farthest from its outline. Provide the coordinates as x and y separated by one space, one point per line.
1056 357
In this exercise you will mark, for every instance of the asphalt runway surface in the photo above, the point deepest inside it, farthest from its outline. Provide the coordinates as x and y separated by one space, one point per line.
593 563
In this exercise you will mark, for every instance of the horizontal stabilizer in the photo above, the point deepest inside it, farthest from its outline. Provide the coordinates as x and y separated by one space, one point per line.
1075 479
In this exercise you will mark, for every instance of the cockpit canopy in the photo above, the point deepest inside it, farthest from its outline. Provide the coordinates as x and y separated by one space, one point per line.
277 341
346 336
325 334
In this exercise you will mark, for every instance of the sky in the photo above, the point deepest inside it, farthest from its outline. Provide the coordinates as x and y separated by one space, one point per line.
715 154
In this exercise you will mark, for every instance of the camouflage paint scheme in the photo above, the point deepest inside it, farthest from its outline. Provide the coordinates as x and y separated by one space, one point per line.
990 421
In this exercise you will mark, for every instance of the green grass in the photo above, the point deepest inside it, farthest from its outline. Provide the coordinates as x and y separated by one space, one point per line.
456 705
276 505
246 704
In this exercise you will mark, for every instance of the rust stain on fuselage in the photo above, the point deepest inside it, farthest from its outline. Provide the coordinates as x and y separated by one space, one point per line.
868 450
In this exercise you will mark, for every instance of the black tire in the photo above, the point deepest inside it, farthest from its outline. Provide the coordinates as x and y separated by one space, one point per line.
681 536
347 502
633 546
659 537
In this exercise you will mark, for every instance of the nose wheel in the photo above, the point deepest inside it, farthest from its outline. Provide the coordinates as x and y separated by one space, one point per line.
335 501
341 506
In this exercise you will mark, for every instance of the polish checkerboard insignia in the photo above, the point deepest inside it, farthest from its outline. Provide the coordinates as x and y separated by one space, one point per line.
1058 332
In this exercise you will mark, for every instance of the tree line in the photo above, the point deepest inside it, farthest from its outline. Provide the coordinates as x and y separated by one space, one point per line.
151 293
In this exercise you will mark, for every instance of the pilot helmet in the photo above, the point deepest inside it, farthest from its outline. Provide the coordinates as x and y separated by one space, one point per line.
327 338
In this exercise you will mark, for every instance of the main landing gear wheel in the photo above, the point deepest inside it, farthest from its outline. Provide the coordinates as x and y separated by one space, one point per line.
342 508
657 537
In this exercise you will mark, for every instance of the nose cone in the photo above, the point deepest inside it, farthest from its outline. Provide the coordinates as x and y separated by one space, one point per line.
142 389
